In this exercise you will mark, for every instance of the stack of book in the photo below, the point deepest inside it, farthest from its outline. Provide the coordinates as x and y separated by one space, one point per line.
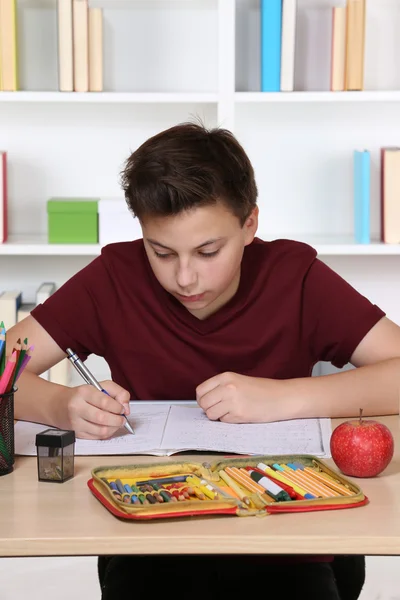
80 46
13 310
312 49
389 199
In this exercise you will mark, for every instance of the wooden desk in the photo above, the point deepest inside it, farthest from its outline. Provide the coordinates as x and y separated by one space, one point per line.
49 519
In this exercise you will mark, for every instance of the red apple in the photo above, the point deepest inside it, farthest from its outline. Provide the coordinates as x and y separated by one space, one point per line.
362 448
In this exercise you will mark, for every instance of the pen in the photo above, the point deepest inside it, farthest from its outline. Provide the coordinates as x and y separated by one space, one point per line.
91 380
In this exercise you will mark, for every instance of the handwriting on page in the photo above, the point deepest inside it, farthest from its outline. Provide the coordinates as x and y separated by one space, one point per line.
191 428
147 420
164 428
148 423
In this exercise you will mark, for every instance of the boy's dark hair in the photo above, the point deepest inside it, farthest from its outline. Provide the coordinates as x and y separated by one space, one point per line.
188 166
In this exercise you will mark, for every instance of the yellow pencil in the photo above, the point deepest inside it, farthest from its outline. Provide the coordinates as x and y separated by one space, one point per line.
203 487
236 488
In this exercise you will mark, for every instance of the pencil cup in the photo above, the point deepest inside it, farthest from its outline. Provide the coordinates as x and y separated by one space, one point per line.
55 455
7 451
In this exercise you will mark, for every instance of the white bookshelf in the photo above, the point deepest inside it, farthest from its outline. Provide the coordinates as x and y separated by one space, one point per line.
335 97
111 97
31 245
167 61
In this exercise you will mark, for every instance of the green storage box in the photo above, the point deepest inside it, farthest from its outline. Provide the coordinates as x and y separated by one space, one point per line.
72 220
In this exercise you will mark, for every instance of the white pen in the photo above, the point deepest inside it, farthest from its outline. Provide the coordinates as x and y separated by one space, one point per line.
91 380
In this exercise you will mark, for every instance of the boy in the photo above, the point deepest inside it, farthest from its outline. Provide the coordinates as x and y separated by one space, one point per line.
201 308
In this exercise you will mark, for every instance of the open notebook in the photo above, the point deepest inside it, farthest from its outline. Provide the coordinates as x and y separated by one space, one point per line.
162 429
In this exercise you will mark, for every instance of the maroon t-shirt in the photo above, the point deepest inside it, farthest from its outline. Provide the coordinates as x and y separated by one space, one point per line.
290 311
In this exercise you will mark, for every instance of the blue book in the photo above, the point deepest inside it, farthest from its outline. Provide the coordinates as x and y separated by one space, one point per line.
362 185
271 41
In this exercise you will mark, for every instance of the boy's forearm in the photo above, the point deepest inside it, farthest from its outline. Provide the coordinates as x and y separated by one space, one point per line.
37 399
374 388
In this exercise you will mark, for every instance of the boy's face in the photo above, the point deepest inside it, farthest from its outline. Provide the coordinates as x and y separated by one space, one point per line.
196 255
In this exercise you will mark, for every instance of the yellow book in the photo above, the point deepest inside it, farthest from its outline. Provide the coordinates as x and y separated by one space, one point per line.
8 45
338 48
355 45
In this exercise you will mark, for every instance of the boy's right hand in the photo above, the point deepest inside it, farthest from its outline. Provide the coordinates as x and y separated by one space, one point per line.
92 414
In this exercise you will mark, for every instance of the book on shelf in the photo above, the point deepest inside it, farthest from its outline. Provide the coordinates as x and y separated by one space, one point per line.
80 46
3 197
65 46
325 43
95 49
24 310
390 195
313 49
44 291
8 46
355 44
288 45
362 186
59 373
338 65
271 26
10 301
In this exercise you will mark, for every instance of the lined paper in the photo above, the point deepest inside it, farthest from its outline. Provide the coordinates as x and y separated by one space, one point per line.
164 429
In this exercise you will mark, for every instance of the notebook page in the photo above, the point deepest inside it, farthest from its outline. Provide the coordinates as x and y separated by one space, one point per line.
148 422
190 428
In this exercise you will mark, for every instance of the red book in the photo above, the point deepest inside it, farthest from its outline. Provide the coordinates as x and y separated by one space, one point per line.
3 197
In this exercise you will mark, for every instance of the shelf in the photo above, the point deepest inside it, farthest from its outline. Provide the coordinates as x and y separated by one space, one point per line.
31 245
196 97
366 96
345 246
37 246
375 249
111 97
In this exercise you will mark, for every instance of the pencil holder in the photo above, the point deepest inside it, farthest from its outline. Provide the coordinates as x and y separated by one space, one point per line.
7 450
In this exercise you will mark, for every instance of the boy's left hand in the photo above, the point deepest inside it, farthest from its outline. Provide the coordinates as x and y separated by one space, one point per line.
234 398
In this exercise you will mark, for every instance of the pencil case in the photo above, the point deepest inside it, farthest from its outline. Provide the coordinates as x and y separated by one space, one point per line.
187 488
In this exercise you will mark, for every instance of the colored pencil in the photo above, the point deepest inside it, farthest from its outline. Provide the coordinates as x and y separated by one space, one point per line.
7 373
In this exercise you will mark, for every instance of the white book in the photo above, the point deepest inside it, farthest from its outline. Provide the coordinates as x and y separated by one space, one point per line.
162 429
10 301
24 311
81 45
313 49
289 12
44 291
61 373
65 46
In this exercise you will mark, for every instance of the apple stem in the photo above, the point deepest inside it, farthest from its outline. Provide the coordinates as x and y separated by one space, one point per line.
361 410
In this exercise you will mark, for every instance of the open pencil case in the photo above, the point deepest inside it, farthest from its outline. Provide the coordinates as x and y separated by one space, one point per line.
188 488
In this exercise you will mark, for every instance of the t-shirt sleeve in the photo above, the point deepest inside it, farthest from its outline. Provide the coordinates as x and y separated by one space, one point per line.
72 314
335 316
